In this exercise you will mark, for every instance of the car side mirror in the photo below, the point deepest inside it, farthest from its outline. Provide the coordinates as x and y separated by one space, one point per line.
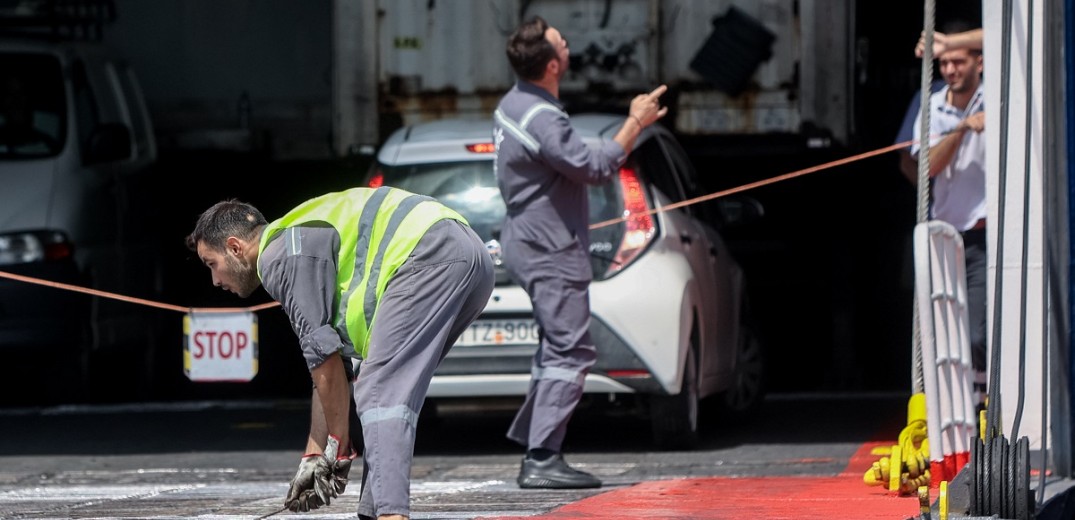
739 210
108 142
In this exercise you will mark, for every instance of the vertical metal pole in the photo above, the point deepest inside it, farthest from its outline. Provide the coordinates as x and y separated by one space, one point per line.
992 418
917 382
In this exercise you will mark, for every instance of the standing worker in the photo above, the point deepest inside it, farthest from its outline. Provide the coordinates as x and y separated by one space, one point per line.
957 173
942 43
543 169
383 276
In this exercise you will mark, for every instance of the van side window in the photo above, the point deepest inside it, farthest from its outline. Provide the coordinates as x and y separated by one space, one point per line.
139 118
86 112
32 106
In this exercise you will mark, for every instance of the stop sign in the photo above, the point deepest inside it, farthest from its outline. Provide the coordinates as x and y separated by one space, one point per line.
220 346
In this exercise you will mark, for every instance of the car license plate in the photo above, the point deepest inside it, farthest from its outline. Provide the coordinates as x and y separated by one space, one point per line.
521 331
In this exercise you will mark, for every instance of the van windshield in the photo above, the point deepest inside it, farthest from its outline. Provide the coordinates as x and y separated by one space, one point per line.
32 106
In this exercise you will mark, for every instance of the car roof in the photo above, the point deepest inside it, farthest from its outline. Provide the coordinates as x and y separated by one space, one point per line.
445 140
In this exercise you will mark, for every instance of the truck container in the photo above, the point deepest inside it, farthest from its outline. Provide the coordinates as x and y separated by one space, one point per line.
734 67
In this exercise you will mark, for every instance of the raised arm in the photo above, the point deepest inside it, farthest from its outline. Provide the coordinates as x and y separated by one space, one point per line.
971 39
645 110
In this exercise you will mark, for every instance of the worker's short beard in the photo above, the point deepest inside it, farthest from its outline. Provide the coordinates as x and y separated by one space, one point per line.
963 87
244 274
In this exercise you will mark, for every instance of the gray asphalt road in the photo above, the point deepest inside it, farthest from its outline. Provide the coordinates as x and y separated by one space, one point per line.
233 459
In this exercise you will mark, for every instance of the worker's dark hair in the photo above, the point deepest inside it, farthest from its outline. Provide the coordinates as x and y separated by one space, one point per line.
226 219
529 51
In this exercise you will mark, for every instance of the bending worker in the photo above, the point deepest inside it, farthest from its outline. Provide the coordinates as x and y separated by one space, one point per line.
381 276
543 169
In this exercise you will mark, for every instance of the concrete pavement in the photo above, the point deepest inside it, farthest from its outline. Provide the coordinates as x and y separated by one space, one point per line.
802 458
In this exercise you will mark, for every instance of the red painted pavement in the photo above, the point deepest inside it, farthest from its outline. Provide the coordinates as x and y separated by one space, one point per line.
830 497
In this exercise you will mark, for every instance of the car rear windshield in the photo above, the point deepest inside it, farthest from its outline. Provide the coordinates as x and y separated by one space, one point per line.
470 188
32 106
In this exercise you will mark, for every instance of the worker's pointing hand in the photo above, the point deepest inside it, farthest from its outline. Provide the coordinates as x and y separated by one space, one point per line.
646 108
657 92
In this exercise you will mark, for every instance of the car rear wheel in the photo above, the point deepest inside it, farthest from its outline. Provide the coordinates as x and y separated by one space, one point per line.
674 418
748 381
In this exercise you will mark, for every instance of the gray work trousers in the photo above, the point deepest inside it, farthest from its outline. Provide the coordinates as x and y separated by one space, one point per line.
977 272
559 292
427 305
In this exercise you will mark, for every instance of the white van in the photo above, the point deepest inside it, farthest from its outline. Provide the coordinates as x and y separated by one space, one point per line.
75 138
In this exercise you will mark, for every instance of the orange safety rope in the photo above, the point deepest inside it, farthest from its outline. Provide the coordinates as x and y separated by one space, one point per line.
711 196
130 299
758 184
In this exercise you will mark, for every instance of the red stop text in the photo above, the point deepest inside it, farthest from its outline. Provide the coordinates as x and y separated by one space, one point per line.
219 345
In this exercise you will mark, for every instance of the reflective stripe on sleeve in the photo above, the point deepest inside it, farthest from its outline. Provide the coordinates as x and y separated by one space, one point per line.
292 241
537 109
521 135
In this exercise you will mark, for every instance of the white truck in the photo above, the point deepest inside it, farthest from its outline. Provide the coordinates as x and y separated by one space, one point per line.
734 67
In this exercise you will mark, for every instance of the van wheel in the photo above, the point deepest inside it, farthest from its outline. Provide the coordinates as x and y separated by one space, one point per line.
156 368
67 380
674 418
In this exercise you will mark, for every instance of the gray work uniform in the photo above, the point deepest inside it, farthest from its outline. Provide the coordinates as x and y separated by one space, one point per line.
543 169
432 298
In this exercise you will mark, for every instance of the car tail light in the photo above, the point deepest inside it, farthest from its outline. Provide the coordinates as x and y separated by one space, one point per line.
481 148
34 246
639 223
377 180
629 374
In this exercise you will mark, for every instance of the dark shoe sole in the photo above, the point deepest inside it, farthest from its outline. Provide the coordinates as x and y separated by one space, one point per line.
546 483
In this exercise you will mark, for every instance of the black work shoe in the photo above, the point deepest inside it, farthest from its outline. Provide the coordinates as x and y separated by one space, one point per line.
553 473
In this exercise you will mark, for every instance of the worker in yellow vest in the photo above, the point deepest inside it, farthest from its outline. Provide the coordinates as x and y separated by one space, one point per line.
376 282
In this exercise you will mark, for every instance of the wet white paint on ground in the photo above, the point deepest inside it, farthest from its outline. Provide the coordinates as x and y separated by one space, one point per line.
59 498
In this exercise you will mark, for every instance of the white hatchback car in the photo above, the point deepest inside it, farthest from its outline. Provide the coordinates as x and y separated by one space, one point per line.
668 302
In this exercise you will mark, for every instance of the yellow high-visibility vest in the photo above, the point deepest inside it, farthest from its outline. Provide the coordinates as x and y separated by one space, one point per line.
378 229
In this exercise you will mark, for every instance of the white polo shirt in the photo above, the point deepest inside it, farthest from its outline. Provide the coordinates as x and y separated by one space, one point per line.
958 190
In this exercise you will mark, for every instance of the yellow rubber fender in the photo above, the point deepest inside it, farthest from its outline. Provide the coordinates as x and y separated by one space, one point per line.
916 408
895 463
908 485
877 475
